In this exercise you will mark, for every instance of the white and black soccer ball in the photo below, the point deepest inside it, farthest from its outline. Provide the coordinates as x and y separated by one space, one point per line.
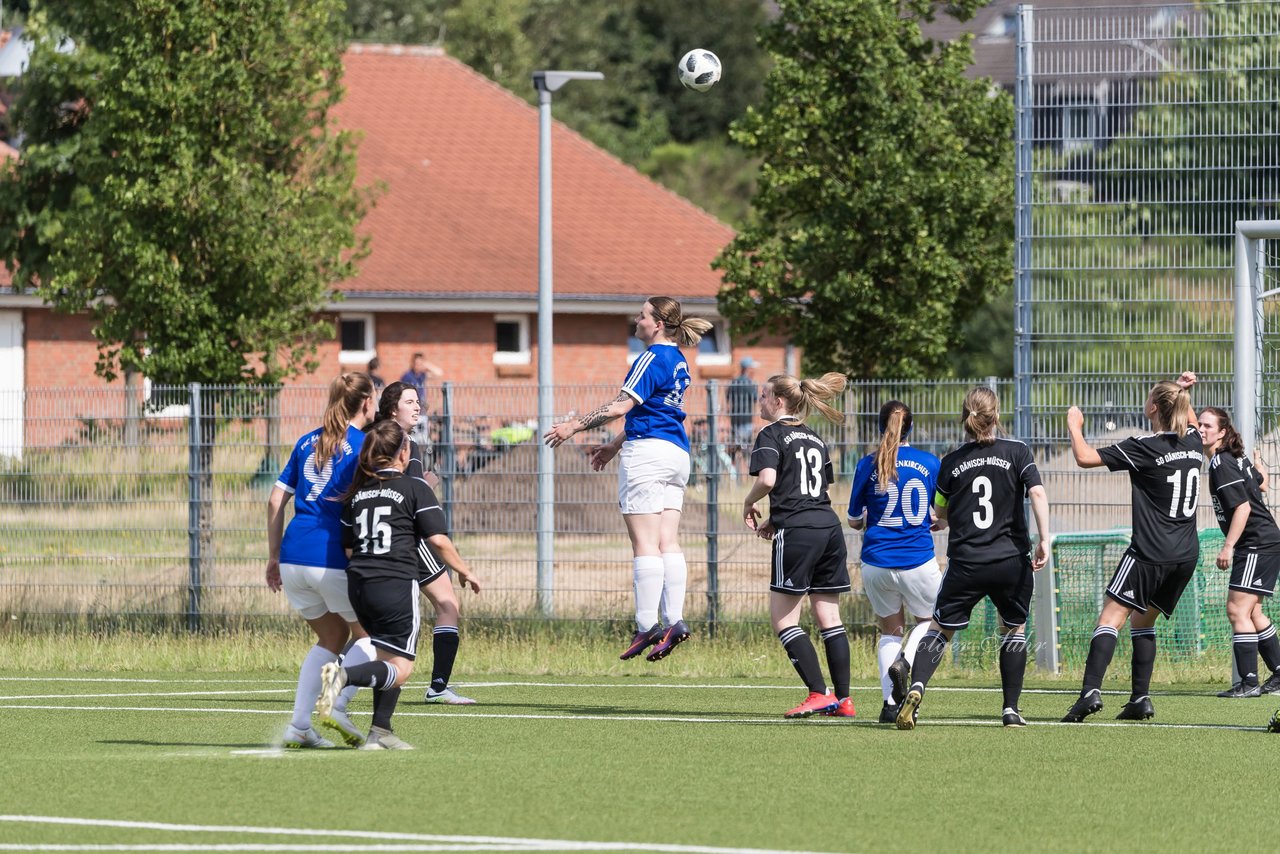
699 69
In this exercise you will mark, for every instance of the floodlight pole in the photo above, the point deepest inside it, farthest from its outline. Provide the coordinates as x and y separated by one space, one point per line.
547 82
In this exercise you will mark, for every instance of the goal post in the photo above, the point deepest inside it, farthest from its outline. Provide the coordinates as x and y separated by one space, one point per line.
1249 292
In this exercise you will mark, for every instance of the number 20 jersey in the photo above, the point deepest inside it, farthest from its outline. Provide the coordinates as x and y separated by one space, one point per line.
799 496
1164 471
982 487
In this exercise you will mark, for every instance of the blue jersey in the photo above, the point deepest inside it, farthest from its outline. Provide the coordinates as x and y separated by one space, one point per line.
897 534
314 535
657 381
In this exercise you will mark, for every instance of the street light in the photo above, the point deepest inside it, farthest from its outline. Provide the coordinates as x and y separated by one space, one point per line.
547 82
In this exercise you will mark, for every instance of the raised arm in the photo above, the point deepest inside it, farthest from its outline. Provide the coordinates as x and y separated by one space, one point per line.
1086 455
1187 379
616 408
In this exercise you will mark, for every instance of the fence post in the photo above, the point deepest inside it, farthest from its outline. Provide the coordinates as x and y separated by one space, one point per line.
713 506
1045 608
195 497
446 459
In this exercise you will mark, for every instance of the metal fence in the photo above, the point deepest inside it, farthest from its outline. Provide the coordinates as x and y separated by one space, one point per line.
120 510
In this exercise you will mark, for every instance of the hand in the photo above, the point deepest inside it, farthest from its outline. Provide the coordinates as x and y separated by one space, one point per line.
432 479
938 524
273 576
1225 557
766 531
751 515
1186 379
560 433
469 581
1041 556
601 454
1075 419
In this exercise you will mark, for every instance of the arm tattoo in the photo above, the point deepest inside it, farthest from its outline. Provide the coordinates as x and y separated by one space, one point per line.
600 414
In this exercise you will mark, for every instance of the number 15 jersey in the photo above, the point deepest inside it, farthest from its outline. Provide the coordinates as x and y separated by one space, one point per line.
1164 471
982 487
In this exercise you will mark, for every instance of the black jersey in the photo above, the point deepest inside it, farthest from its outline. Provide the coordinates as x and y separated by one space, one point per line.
1234 481
799 496
1164 471
982 487
383 522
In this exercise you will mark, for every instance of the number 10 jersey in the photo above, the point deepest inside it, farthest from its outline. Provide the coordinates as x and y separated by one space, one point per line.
1164 471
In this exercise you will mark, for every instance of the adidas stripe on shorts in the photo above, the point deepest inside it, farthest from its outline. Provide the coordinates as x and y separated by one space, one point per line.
809 560
1139 585
1254 572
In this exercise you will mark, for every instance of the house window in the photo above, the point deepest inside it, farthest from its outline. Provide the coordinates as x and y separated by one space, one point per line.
511 339
714 348
1079 127
355 336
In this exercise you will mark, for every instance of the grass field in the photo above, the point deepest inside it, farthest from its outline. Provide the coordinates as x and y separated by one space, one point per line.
628 762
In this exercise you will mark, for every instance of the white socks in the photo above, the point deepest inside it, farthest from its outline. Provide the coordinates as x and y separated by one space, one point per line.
913 641
675 575
304 701
647 575
359 652
886 654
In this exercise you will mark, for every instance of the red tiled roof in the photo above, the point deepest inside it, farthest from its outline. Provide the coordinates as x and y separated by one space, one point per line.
459 214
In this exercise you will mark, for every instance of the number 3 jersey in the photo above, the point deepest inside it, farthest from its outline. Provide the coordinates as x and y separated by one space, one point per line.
383 523
897 534
982 487
799 496
1164 471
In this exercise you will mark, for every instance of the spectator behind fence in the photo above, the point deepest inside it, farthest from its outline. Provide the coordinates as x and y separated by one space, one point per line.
378 382
741 397
417 375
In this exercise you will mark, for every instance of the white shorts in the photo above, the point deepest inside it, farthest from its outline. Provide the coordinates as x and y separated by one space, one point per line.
314 591
890 589
652 475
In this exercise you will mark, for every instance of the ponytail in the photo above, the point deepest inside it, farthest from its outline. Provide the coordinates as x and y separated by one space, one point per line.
684 331
895 424
346 395
801 396
1173 407
981 415
381 447
1231 441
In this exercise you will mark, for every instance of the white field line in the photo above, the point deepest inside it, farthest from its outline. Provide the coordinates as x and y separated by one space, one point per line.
776 721
453 843
516 684
237 693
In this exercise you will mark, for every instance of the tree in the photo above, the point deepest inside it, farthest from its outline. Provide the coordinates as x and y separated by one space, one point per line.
182 182
884 212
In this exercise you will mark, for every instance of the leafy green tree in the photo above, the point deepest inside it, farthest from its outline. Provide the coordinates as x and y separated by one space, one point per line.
396 21
182 183
884 213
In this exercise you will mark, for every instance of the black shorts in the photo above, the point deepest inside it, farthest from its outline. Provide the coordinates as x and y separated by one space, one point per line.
1138 585
810 560
1009 584
388 610
1254 572
430 567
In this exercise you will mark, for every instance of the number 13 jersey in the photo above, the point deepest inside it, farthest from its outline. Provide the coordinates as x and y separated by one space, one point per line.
799 496
1164 471
982 487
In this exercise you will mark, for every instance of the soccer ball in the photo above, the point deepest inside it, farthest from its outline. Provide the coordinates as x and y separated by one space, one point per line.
699 69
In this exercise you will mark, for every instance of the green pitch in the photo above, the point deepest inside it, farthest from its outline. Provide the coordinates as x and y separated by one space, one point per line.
627 764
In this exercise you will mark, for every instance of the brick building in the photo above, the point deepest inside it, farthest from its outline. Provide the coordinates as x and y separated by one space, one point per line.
453 267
